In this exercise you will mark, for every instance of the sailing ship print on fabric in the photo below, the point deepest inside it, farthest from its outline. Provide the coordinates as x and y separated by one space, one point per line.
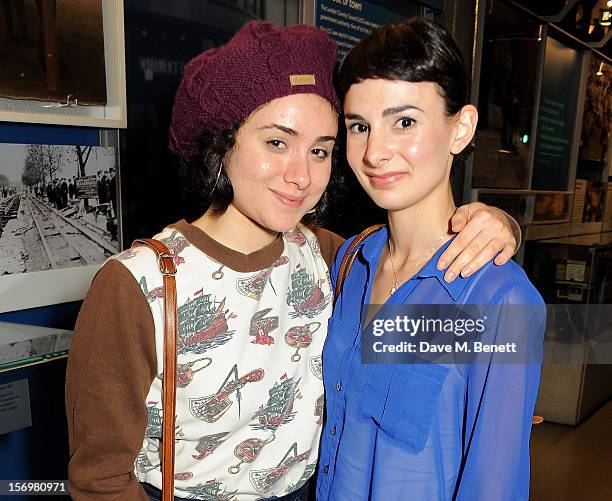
279 407
143 461
254 285
212 407
154 421
202 324
305 294
210 491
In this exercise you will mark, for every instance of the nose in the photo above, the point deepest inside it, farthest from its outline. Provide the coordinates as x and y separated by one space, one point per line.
377 152
298 172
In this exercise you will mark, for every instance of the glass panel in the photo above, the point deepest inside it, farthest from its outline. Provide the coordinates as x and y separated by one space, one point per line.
556 117
508 80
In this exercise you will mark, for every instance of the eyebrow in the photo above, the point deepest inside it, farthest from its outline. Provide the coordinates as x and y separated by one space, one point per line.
399 109
386 112
291 132
324 139
286 130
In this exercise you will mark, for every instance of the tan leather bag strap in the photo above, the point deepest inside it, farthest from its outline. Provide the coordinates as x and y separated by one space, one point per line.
349 257
167 267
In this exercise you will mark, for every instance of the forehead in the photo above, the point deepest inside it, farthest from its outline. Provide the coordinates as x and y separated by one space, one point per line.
377 93
305 110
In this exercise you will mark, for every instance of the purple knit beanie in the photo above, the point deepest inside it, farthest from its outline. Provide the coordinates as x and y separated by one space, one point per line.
262 62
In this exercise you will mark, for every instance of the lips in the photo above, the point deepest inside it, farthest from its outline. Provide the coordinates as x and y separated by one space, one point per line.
385 180
288 200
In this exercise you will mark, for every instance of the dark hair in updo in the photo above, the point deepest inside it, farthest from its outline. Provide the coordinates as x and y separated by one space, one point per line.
416 50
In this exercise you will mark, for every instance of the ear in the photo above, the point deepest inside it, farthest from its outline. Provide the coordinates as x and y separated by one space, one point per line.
465 128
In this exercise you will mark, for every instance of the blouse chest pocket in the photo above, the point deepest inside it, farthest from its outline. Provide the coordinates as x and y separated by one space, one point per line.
401 400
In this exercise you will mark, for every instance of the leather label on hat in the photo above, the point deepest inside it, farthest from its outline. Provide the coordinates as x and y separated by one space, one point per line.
302 80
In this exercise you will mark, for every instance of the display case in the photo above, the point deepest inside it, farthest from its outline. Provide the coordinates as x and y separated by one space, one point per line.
22 345
573 270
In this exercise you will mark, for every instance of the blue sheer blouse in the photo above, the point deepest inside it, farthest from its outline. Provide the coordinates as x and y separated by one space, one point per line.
427 431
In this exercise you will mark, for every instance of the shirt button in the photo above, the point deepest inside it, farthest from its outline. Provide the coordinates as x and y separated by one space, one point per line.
339 387
326 468
332 430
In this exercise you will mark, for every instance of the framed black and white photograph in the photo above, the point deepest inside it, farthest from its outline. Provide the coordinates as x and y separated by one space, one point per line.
59 220
62 62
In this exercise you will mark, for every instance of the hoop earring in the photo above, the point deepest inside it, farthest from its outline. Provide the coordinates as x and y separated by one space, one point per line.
217 179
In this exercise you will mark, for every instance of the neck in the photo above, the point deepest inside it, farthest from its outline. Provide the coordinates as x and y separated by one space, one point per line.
414 230
234 230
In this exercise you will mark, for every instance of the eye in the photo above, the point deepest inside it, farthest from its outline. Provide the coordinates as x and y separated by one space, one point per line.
358 128
405 122
276 144
320 153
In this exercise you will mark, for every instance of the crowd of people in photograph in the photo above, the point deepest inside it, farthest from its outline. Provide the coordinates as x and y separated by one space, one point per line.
7 191
107 189
58 192
62 192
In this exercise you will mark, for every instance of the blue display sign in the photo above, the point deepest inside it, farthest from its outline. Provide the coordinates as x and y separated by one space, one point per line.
556 116
348 21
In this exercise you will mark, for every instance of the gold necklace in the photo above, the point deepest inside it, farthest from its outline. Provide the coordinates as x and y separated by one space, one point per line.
427 255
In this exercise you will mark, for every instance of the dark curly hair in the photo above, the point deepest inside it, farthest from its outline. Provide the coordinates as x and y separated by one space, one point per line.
203 178
415 50
206 184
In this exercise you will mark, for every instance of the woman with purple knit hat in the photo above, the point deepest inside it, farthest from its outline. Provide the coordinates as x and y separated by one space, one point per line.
255 125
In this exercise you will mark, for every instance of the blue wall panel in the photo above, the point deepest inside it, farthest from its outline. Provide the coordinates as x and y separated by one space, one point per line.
39 452
19 133
59 316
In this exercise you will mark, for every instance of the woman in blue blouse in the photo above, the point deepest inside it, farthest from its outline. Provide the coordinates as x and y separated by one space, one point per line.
420 431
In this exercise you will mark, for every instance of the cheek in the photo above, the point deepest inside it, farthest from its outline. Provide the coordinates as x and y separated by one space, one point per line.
426 148
250 169
256 163
319 175
261 165
354 152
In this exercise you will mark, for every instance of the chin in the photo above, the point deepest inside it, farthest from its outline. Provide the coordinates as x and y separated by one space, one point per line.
282 224
392 203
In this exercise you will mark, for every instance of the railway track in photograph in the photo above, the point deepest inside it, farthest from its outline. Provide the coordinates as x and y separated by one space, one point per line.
8 210
67 242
